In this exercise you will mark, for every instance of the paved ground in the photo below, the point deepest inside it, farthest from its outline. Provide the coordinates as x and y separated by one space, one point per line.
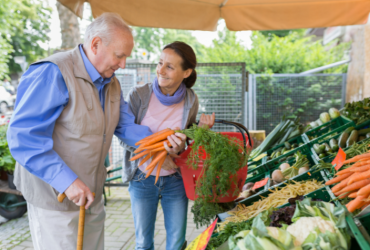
119 227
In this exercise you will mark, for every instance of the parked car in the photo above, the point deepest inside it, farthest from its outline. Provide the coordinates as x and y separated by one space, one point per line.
6 100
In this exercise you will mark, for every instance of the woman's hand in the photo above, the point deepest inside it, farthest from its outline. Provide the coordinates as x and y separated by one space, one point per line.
177 141
207 120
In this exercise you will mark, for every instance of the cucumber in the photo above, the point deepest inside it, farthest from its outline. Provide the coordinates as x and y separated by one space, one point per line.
361 137
327 147
317 149
364 131
334 113
322 148
352 138
349 130
322 155
343 139
325 117
333 143
367 135
287 145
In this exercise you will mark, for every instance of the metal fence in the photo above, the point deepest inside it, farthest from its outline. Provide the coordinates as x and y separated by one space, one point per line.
220 88
270 97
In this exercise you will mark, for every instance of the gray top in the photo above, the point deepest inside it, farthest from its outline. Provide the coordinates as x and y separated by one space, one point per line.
138 100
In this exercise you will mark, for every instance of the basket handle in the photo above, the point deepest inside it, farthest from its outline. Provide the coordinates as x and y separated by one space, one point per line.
239 127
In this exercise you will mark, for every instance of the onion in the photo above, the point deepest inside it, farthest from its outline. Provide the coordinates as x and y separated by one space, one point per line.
284 166
303 170
277 176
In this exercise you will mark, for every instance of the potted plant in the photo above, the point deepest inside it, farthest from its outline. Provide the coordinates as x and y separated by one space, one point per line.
7 162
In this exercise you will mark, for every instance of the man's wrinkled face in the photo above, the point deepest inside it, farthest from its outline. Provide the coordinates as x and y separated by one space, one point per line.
112 56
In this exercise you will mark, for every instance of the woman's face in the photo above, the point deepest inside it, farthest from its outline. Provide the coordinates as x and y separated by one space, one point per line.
169 71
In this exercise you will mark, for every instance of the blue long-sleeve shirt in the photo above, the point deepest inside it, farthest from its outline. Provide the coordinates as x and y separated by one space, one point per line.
41 98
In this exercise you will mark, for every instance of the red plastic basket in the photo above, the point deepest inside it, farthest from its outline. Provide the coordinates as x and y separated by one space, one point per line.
190 176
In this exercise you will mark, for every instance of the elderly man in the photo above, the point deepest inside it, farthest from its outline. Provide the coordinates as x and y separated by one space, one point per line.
69 106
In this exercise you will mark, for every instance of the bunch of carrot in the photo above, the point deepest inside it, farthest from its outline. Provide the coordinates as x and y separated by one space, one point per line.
153 147
354 182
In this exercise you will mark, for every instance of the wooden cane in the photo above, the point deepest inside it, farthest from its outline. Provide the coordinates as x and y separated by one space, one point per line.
81 222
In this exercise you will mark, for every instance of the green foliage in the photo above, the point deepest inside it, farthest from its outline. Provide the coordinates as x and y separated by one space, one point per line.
154 39
25 24
7 162
222 161
292 53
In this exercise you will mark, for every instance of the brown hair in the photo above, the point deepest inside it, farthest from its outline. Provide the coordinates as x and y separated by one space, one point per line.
189 60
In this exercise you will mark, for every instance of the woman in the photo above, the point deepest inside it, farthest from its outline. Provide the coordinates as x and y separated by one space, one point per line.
168 102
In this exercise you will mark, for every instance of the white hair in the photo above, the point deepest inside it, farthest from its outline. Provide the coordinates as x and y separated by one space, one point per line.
105 27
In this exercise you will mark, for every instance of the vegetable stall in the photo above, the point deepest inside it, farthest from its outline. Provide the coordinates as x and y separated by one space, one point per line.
307 187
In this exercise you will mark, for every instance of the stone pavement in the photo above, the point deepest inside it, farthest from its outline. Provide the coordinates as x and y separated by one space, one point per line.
119 227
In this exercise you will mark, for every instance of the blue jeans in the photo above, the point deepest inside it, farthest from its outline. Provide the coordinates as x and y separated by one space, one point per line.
144 204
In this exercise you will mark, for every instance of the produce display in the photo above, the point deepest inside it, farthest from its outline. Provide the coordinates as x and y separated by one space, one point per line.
358 112
325 117
353 181
300 224
276 198
284 131
282 150
346 139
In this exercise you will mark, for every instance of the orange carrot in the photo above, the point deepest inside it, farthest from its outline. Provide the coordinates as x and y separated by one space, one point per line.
158 149
345 171
356 203
152 136
359 177
367 203
353 195
357 158
160 163
361 168
150 165
339 186
355 186
365 190
155 161
145 159
158 145
338 179
140 155
344 195
158 138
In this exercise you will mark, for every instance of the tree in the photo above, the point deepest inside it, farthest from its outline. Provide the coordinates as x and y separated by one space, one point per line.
31 31
69 27
153 40
25 24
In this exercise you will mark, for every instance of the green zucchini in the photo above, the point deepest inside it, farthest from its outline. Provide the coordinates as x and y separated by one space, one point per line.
322 155
364 131
287 145
343 139
352 138
322 148
333 143
327 147
349 130
317 148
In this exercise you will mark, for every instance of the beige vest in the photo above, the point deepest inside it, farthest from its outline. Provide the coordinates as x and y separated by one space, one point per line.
82 134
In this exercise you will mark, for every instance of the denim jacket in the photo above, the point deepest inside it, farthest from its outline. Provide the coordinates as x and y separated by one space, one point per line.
138 100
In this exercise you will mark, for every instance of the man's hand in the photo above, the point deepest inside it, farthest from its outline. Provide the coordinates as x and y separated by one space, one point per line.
78 192
168 164
207 120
